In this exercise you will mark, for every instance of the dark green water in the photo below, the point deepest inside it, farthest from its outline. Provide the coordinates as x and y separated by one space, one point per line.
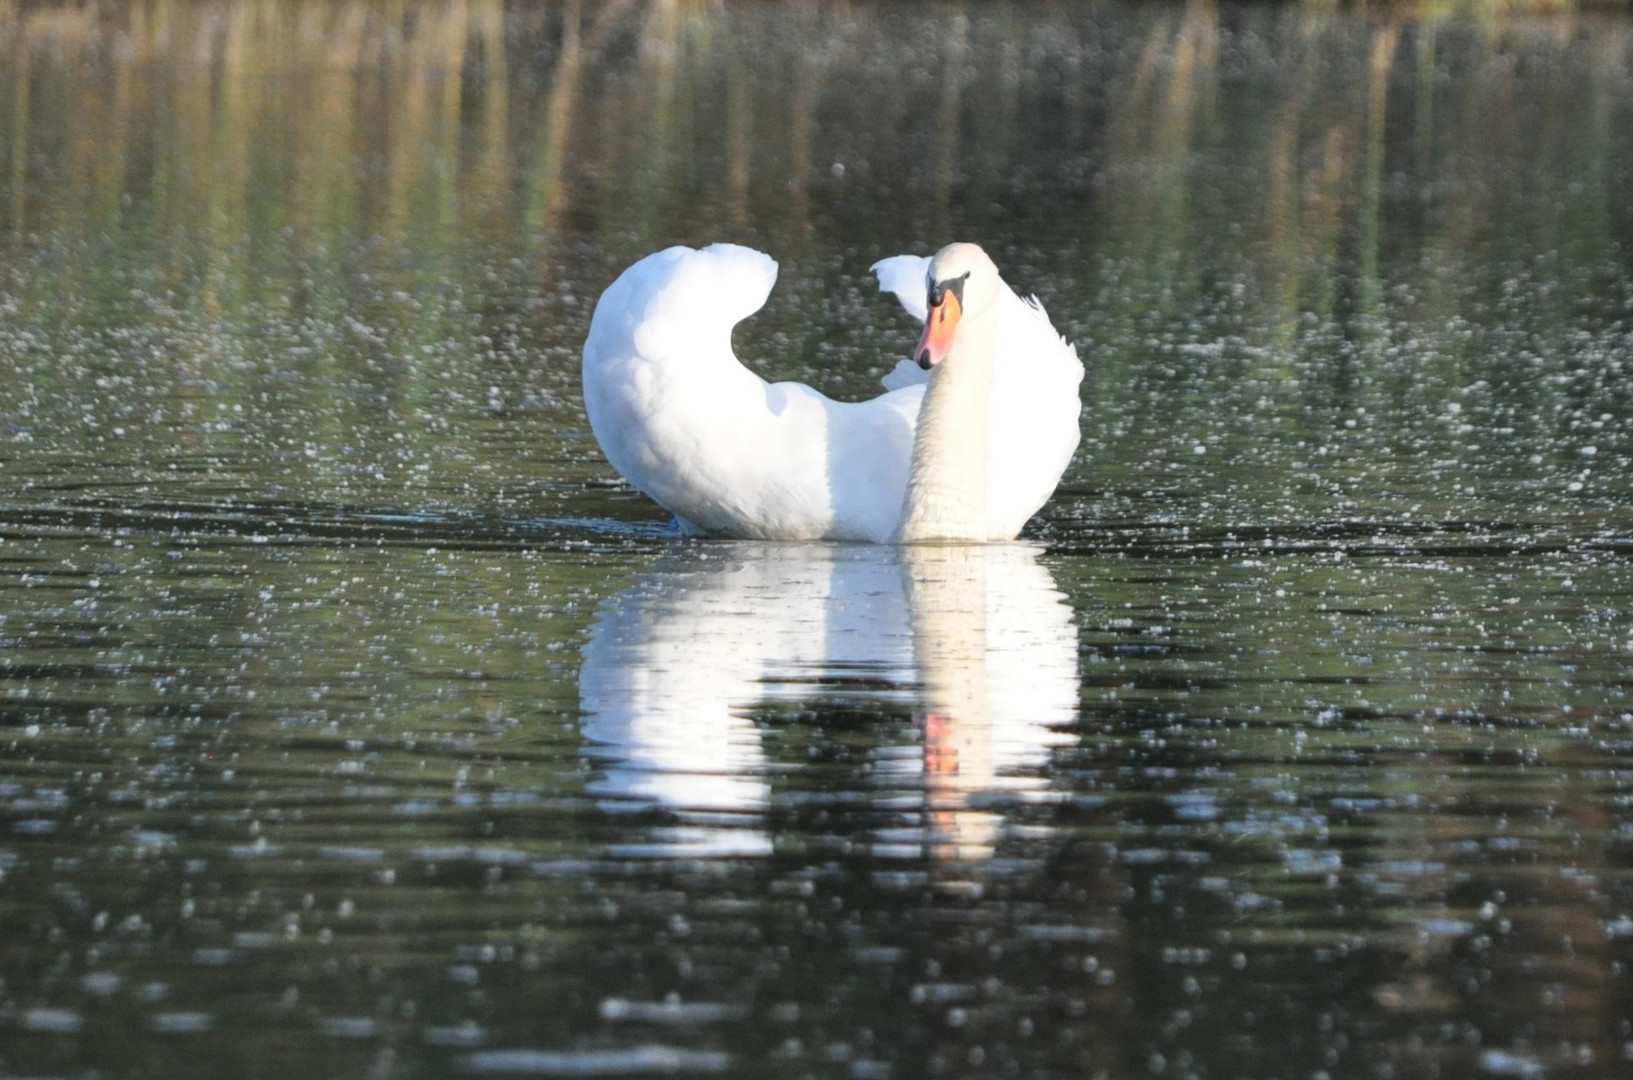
356 721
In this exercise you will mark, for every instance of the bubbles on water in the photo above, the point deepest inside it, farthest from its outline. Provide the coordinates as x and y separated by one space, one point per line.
52 1021
652 1059
182 1023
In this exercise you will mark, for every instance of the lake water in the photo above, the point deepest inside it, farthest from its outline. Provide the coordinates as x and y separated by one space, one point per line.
356 721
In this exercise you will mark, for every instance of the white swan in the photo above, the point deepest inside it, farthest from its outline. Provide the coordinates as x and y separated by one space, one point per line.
730 454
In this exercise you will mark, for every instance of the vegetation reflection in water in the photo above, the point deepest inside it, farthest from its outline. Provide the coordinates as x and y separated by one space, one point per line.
357 721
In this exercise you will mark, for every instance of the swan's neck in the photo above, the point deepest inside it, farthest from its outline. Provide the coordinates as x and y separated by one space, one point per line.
947 483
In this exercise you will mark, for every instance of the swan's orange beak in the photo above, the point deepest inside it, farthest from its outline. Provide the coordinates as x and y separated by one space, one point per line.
946 307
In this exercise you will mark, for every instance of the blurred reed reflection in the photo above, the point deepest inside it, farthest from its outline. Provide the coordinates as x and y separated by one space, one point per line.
684 669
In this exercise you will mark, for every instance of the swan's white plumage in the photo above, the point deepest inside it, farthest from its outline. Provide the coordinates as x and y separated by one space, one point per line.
728 453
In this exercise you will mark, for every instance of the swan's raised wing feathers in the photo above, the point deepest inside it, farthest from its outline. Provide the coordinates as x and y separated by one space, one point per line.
683 298
1034 413
903 275
709 440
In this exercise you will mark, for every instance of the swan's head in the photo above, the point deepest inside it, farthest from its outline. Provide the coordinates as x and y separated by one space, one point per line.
963 282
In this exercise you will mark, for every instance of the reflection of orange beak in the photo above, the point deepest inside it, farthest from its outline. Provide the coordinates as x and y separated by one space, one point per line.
940 753
938 330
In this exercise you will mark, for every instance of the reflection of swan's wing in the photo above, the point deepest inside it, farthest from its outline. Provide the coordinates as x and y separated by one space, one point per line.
866 610
661 675
674 662
1032 680
1034 408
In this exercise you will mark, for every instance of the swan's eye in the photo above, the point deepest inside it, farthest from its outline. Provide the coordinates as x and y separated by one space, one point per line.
940 289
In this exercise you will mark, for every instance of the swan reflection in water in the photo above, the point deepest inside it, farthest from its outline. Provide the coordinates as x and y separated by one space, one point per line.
973 639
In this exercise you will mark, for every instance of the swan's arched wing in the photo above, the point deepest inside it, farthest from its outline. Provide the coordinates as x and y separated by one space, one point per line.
709 440
905 373
904 276
691 298
672 408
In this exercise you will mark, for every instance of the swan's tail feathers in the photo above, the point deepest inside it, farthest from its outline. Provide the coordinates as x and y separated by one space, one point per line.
903 275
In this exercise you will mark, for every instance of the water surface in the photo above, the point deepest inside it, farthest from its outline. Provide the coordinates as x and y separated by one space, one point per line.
357 720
